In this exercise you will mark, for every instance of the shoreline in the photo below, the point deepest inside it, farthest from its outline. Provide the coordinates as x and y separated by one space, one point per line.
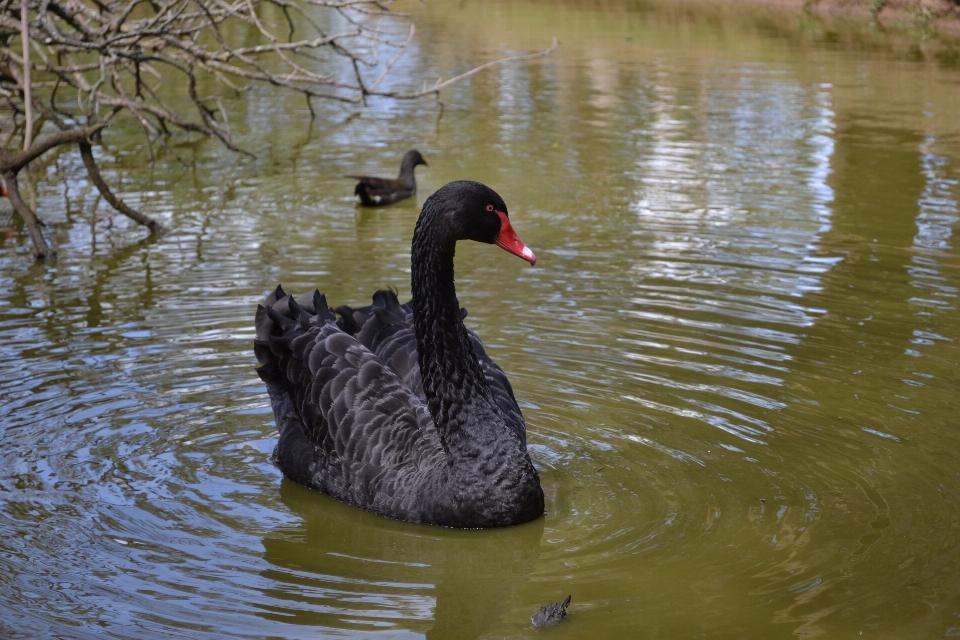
936 17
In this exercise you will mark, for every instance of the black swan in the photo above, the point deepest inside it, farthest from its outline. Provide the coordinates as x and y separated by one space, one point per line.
397 409
375 192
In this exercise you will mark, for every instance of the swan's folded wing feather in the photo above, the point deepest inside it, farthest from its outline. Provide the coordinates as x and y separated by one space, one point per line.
501 388
385 333
348 425
395 345
365 323
386 328
354 407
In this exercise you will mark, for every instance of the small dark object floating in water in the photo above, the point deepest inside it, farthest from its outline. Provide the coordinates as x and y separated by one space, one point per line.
551 614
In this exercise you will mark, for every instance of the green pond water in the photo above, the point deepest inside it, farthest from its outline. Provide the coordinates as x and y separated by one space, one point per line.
737 354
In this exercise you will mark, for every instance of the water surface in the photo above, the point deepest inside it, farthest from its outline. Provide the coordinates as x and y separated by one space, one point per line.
737 355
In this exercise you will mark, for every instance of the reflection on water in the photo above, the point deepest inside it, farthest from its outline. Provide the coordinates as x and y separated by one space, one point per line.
719 256
336 570
737 355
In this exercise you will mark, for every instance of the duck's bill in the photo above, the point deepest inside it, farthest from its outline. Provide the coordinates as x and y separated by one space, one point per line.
509 241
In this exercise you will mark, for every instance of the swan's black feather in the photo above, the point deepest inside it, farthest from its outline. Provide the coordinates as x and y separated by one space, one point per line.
336 403
352 413
392 338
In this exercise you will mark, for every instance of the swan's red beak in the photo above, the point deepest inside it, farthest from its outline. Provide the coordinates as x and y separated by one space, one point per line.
509 241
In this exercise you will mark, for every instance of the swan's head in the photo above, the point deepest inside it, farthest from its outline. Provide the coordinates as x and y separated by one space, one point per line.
476 212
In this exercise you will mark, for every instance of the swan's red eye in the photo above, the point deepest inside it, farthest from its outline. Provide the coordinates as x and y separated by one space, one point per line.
489 207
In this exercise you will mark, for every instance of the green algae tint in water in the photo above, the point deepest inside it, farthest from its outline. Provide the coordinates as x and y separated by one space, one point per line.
737 354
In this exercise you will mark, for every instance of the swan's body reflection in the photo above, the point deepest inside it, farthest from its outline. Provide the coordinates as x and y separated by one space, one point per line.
444 583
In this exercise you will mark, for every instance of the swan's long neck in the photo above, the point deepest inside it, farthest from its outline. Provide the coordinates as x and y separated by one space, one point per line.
457 394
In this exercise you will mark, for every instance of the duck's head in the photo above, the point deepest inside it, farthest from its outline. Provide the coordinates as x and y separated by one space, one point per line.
412 158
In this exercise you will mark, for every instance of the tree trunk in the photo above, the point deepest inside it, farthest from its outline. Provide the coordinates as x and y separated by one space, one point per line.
42 250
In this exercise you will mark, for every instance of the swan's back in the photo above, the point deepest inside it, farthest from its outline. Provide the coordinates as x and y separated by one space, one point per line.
348 426
386 328
349 403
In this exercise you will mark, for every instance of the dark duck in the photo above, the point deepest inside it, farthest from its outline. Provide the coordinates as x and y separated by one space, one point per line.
397 408
376 192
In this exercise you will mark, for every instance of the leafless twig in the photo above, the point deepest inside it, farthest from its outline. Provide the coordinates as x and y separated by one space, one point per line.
86 63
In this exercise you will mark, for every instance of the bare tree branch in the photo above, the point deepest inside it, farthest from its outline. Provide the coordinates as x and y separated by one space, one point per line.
86 151
16 162
441 85
27 87
390 64
85 64
41 249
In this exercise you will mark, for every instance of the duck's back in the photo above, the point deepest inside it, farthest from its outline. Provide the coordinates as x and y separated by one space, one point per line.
374 192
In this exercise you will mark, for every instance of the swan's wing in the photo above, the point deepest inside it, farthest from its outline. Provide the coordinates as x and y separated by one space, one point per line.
350 407
366 322
502 389
355 405
386 328
396 345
